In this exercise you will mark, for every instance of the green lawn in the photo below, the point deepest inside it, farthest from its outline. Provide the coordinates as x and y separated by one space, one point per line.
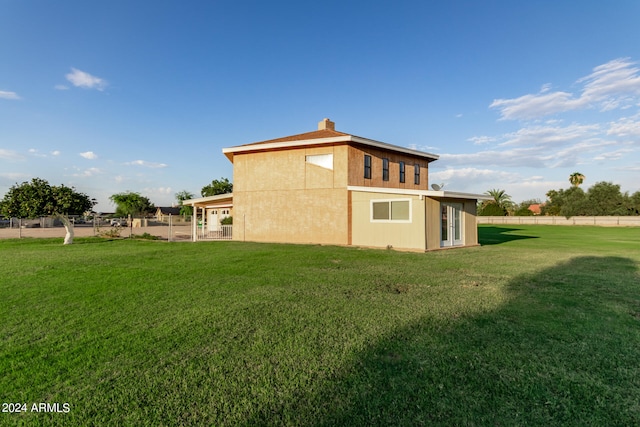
539 326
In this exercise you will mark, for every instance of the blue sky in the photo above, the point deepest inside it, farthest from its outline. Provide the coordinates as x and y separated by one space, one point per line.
142 96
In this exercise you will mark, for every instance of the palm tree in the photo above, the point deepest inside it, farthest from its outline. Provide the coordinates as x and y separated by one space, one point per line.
501 199
576 179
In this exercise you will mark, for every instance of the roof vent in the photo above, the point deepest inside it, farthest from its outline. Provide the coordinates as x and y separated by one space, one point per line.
326 124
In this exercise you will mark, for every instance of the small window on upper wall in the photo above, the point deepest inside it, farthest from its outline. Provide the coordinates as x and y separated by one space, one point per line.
416 174
367 166
385 169
322 160
401 171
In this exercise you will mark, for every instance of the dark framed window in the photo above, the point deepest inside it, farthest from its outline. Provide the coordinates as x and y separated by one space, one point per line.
401 171
416 174
385 169
367 166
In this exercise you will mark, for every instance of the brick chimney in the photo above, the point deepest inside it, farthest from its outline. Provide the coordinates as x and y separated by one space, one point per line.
326 124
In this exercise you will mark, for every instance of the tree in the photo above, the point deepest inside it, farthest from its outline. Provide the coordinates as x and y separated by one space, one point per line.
181 196
38 198
522 209
568 203
634 203
131 204
605 198
576 179
488 208
221 186
499 206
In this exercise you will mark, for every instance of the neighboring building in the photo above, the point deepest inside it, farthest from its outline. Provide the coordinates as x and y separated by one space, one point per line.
536 208
162 213
330 187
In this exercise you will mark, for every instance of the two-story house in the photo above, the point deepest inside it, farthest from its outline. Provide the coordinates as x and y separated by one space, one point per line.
331 187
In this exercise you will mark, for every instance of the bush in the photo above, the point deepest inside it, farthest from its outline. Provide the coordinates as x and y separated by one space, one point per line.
110 233
491 209
227 221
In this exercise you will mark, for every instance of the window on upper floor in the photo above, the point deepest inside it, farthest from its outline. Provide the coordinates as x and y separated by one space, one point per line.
385 169
322 160
402 174
416 174
367 166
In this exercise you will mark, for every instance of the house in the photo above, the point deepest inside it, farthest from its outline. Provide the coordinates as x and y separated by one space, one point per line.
162 213
331 187
536 208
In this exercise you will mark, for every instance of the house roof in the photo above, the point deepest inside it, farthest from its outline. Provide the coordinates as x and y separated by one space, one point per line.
168 210
219 200
325 135
316 134
536 208
428 193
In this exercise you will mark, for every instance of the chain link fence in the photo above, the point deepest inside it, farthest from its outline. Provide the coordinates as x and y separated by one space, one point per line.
169 227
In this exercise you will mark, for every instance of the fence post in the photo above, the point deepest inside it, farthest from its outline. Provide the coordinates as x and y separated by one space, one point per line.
170 225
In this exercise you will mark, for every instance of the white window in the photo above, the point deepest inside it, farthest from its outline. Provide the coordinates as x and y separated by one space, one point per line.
322 160
395 210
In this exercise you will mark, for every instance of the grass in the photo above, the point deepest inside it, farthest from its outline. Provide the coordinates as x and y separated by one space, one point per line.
539 326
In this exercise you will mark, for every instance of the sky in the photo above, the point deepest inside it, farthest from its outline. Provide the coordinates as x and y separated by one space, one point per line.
114 96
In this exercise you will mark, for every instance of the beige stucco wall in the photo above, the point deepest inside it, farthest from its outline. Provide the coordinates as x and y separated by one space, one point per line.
279 197
470 224
399 235
432 209
288 170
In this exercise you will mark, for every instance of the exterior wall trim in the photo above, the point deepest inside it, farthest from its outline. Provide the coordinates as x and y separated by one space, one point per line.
423 193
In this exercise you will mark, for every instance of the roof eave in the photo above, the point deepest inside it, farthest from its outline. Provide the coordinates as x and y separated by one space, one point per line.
229 152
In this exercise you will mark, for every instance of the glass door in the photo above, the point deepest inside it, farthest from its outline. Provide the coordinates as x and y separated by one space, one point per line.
451 224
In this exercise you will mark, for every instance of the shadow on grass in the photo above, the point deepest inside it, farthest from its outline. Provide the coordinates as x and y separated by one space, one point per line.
563 350
491 235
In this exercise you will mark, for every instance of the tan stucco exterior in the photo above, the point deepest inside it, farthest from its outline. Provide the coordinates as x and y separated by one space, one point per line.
403 235
281 197
312 188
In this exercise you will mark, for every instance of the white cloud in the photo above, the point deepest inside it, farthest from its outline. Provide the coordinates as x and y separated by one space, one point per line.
61 87
55 153
159 190
8 95
550 135
614 155
481 140
625 127
85 80
36 153
89 155
613 85
10 155
474 175
426 148
88 173
14 176
534 106
146 164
